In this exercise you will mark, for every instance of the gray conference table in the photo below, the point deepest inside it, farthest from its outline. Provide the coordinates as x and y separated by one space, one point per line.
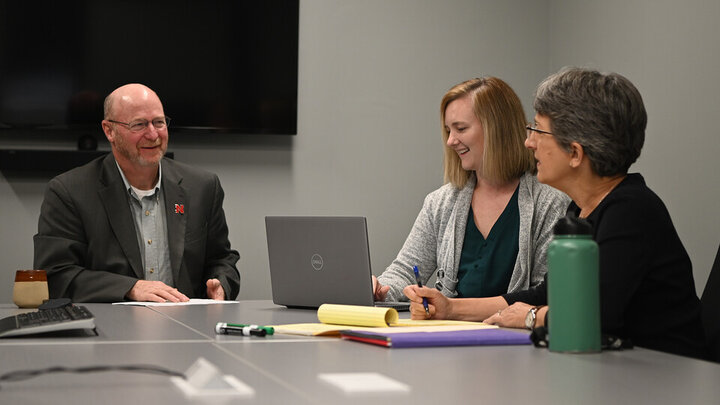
284 369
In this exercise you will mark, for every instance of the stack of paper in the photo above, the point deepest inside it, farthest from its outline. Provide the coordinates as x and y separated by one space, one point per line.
337 318
423 338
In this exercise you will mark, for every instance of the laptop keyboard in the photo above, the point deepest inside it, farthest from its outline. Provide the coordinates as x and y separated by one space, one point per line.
47 320
396 305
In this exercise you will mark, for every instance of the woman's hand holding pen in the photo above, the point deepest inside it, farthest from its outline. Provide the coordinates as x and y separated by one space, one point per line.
438 304
379 291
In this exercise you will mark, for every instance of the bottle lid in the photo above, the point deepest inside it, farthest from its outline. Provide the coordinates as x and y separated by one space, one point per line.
572 225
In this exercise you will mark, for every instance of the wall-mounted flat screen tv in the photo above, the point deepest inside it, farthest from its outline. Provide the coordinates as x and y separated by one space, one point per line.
217 65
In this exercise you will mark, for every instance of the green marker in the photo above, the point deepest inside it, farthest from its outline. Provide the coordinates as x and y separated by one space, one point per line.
269 329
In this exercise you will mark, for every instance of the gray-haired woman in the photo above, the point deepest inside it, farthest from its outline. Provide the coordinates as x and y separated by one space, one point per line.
588 130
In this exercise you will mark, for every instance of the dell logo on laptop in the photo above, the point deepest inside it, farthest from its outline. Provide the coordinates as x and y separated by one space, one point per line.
316 261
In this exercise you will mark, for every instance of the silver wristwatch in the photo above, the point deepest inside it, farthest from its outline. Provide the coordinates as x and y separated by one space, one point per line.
531 318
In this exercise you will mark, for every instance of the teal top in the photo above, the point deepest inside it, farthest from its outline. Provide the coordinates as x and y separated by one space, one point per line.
486 265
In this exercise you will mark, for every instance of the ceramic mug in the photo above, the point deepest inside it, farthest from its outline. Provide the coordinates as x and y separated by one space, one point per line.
30 289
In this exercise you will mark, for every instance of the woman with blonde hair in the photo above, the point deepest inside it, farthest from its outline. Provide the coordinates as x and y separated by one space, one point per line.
485 232
589 128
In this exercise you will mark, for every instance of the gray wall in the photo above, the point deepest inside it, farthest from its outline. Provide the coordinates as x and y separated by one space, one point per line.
671 51
371 77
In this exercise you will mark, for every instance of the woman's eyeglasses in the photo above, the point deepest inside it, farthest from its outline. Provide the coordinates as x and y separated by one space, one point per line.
531 129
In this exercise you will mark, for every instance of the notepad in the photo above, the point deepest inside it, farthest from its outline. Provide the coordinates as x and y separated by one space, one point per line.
421 338
335 318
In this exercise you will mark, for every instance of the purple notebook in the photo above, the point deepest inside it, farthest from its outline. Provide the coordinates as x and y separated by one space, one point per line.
475 337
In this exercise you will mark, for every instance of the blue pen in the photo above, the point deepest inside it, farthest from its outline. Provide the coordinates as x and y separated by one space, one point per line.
419 283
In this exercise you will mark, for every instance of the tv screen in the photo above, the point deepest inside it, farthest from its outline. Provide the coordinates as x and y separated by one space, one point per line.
217 65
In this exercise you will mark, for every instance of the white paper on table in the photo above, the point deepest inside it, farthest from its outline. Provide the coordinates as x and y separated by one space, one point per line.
364 383
193 301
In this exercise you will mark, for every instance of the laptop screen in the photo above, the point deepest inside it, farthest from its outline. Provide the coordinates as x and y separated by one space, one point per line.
317 260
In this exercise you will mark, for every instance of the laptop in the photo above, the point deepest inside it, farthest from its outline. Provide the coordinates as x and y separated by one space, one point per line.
318 260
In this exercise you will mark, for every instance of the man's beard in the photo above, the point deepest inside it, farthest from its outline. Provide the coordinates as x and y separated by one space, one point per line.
136 157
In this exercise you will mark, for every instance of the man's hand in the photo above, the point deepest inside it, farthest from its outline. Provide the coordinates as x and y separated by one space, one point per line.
440 306
379 291
155 291
215 290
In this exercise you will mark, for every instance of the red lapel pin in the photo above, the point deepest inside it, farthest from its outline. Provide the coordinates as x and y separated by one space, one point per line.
179 208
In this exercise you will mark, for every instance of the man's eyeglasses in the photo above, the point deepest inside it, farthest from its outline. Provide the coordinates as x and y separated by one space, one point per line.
530 131
141 125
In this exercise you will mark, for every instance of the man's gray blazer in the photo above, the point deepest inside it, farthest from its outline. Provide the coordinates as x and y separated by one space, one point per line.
87 242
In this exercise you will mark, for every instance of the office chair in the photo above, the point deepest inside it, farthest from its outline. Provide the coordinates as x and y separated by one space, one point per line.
710 302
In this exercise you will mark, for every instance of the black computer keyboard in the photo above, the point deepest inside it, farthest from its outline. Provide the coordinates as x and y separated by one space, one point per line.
47 320
396 305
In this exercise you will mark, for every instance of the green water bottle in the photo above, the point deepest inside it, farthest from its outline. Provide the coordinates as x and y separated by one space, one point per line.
573 288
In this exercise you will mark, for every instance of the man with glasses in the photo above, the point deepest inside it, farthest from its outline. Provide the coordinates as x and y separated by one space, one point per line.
134 225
